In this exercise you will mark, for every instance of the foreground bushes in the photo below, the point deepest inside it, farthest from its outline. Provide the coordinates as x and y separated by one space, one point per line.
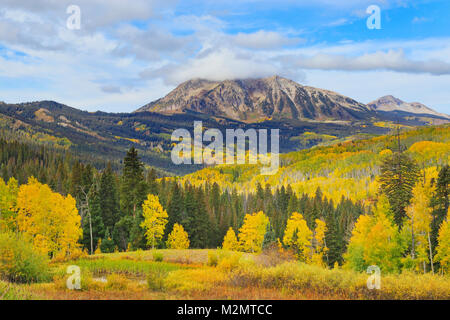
348 284
237 271
19 262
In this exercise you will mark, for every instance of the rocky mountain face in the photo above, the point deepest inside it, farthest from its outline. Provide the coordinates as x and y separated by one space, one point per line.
391 104
253 100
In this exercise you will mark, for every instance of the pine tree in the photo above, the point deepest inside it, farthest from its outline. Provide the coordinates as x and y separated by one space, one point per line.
107 245
109 198
398 176
175 208
200 226
134 187
440 203
269 237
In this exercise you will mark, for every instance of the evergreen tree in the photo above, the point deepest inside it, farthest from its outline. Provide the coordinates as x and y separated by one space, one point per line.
109 198
200 226
134 187
440 203
269 237
399 174
175 208
107 244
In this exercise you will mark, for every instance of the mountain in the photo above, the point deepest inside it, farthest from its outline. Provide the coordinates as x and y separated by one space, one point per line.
305 117
392 104
253 100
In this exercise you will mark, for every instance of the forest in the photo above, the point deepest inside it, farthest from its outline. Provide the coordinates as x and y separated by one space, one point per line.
382 201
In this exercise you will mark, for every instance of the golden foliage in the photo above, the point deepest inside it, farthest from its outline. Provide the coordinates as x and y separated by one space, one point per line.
178 238
155 219
230 241
251 234
51 219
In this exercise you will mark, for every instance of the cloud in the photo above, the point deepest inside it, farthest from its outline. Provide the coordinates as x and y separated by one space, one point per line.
217 65
94 13
392 60
264 40
152 43
111 89
126 55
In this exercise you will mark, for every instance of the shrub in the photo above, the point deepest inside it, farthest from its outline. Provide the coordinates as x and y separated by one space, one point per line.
117 282
155 279
230 261
213 259
187 280
158 256
19 262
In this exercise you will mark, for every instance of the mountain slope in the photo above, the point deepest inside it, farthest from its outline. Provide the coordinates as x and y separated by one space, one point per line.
346 169
391 104
253 100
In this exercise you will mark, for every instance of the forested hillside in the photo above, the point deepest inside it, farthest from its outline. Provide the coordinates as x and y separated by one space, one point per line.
346 169
323 204
108 136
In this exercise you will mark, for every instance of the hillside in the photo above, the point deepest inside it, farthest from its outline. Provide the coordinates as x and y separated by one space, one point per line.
109 135
304 115
344 169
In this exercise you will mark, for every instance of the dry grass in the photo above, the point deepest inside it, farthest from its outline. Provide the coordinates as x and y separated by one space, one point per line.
233 275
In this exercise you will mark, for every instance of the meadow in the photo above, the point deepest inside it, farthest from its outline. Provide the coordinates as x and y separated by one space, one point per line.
219 274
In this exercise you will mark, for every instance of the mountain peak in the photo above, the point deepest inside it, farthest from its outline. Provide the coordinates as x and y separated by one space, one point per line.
390 103
253 100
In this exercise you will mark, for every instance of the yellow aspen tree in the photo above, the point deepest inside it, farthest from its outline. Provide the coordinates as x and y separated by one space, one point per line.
251 234
178 238
443 248
155 220
420 218
51 219
230 241
376 241
319 245
298 236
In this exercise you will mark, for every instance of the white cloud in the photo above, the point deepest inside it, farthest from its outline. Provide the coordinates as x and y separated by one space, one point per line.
127 55
216 65
264 40
394 60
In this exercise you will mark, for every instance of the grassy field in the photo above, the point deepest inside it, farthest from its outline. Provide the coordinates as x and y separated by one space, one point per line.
216 274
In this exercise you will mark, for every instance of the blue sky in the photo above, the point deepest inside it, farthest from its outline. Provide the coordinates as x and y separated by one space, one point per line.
126 54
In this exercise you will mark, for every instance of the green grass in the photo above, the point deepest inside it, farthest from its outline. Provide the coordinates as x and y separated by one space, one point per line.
138 268
10 291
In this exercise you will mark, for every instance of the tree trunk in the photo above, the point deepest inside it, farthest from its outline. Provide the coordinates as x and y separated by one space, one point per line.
413 252
90 230
431 253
